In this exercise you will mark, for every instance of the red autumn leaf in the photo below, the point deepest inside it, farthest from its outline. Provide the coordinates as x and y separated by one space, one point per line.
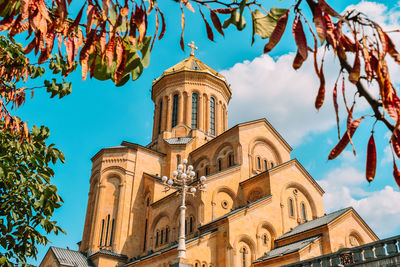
298 61
155 31
119 51
384 41
395 140
392 49
347 43
120 70
210 34
344 141
328 9
92 66
300 38
396 174
370 168
70 47
216 22
124 11
163 25
336 106
182 43
110 51
367 59
140 21
330 35
224 10
319 24
321 91
277 33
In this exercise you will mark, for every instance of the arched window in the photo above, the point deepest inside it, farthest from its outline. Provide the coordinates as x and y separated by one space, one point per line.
219 165
162 237
157 237
230 160
175 111
291 210
272 164
194 110
108 224
212 116
303 211
265 239
166 234
112 232
196 265
207 170
258 163
160 117
265 164
148 202
186 226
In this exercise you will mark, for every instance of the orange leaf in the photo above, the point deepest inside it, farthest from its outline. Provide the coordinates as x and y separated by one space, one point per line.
90 17
224 10
298 61
277 33
188 5
396 142
371 160
330 36
320 24
110 51
163 25
341 145
354 74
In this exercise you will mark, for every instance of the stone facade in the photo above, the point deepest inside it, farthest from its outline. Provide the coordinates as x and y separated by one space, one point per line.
258 199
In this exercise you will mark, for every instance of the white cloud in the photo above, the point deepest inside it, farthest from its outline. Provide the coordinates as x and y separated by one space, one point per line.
267 87
379 209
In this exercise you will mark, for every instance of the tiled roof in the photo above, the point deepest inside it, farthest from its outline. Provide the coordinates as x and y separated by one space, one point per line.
107 252
69 257
287 249
315 223
179 140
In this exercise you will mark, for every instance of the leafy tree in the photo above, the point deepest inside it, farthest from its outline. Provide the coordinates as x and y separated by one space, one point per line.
113 41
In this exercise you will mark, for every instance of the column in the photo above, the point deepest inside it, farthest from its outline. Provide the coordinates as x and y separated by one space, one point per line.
169 114
155 121
180 108
207 113
200 114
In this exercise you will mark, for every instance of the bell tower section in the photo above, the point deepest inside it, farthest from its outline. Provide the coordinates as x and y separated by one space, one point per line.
191 101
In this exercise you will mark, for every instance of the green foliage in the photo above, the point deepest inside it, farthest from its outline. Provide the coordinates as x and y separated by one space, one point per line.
27 197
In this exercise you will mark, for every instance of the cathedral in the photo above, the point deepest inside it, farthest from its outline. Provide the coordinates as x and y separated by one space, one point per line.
260 207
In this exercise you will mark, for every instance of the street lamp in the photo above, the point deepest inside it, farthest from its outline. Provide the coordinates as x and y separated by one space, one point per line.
183 180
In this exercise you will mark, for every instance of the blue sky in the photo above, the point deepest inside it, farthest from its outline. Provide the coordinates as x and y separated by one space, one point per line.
97 114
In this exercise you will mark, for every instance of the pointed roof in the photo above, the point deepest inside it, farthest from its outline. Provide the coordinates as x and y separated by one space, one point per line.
68 257
191 64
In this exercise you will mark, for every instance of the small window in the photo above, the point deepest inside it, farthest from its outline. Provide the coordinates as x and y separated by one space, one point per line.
148 202
178 160
160 117
244 252
207 170
303 211
191 224
230 160
265 165
291 210
162 237
258 163
174 121
219 165
157 238
186 226
166 234
265 239
272 164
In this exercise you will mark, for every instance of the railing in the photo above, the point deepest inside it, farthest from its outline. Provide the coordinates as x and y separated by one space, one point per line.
375 251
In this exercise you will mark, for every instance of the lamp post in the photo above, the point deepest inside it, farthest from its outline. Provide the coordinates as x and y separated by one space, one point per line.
183 180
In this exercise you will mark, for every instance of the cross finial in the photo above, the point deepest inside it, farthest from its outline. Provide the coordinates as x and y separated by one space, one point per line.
193 47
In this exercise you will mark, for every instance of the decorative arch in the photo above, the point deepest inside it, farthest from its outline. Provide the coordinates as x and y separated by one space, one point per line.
260 139
161 215
114 171
354 239
268 226
255 194
219 207
304 191
249 242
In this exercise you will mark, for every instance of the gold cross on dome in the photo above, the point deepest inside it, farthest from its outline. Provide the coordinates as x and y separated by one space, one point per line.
193 47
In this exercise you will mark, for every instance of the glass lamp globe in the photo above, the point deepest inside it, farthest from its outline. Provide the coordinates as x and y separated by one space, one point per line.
174 173
184 161
180 167
192 173
204 186
193 190
190 167
203 179
183 175
170 182
164 179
